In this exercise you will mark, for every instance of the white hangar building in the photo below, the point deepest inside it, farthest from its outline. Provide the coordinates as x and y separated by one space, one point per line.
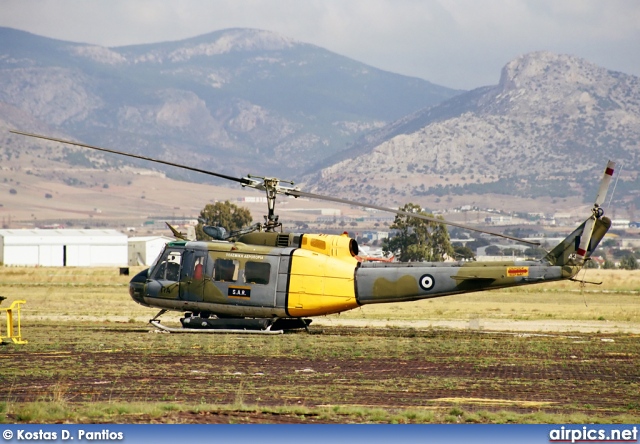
143 250
63 248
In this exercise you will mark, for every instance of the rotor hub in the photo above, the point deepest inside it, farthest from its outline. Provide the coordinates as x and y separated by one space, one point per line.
598 212
271 186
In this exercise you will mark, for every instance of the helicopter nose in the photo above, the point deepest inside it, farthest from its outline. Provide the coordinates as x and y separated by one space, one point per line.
137 287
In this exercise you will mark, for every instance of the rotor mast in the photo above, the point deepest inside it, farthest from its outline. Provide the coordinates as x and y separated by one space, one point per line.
271 186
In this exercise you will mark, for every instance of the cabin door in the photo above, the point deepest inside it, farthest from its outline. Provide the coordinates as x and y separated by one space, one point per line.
192 275
250 281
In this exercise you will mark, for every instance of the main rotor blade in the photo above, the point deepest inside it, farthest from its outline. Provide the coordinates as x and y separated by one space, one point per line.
282 190
135 156
297 193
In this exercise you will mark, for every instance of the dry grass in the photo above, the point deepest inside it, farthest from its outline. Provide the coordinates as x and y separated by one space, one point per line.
616 300
52 293
88 293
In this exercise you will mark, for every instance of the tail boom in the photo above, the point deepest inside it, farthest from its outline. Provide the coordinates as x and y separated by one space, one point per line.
378 282
399 282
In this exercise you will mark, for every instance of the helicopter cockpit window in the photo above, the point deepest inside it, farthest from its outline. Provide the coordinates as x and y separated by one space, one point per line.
226 270
257 273
168 267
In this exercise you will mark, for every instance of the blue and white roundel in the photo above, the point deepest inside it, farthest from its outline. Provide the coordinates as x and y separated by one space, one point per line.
427 282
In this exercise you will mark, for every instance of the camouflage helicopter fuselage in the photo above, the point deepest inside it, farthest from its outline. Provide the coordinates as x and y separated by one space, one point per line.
275 275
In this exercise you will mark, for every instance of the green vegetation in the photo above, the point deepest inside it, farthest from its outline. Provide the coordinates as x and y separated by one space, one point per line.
77 158
42 412
529 187
417 239
223 214
629 263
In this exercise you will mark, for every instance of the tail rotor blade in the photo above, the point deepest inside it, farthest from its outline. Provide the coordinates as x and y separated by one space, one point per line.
604 183
587 232
585 238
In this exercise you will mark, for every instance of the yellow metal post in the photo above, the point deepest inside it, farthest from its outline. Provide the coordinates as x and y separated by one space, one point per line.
14 308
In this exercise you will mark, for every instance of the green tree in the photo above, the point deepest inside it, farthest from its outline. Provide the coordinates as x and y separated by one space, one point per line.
477 243
590 264
464 253
223 214
535 252
511 252
418 239
629 263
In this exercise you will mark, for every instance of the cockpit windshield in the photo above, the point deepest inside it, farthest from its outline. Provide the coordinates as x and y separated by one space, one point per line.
168 265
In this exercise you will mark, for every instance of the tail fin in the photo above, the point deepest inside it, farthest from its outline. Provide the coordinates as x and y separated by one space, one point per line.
579 245
565 252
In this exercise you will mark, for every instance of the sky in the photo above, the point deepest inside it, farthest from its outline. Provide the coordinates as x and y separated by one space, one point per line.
460 44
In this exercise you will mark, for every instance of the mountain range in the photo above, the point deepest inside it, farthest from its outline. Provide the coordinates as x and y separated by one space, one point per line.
241 101
546 130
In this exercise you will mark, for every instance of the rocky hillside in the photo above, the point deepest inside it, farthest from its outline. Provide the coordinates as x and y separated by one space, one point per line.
547 129
239 100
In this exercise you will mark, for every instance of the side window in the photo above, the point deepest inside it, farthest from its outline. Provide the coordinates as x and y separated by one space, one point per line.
168 267
225 270
257 273
198 267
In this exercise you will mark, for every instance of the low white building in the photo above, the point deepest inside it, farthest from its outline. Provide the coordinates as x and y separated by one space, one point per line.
499 220
620 223
143 250
63 248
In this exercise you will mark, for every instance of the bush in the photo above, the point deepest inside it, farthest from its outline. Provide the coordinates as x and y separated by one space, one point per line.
629 263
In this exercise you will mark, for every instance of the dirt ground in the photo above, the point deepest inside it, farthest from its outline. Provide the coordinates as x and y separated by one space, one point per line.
348 366
545 326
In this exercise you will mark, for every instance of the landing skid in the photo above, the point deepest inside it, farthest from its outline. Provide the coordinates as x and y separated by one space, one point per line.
159 326
197 324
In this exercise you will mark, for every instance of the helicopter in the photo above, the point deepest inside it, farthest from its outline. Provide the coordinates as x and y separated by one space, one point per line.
267 281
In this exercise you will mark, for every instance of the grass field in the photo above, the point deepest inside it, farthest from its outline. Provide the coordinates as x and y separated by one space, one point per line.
91 357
